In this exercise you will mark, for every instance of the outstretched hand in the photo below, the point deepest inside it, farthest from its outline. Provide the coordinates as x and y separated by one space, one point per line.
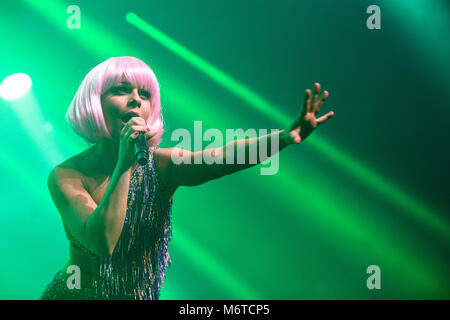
302 127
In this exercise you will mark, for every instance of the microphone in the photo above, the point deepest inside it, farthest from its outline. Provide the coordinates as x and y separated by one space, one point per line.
141 149
140 146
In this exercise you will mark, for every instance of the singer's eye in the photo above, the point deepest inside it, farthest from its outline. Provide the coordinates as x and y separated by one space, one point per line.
144 93
120 89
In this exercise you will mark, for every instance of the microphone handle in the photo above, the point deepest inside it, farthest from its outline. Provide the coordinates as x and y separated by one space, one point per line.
141 149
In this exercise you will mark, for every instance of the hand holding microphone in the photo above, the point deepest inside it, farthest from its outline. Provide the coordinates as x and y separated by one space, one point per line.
133 141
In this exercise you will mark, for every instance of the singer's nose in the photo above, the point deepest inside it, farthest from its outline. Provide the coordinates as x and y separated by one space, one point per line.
135 100
135 103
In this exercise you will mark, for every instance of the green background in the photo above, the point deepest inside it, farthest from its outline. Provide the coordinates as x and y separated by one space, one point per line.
369 187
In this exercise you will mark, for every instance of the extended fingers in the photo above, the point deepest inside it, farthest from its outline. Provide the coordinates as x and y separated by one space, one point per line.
324 118
316 93
320 103
307 102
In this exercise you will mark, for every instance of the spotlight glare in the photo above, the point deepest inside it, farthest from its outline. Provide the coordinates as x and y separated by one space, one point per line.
15 86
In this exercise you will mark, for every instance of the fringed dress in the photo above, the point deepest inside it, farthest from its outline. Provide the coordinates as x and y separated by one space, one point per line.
136 269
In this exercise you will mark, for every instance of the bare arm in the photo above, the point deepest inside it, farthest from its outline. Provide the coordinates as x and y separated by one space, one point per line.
97 227
105 224
219 161
191 172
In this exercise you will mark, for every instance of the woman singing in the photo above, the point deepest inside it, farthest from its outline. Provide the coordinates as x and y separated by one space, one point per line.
116 213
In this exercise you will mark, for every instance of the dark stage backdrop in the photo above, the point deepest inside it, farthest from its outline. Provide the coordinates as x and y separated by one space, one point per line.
369 187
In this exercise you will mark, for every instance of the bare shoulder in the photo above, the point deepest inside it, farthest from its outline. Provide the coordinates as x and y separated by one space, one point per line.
162 158
71 170
71 198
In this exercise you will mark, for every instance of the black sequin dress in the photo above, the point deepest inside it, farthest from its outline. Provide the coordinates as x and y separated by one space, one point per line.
136 270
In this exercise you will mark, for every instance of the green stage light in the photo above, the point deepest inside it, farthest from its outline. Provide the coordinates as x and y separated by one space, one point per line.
361 233
367 176
15 86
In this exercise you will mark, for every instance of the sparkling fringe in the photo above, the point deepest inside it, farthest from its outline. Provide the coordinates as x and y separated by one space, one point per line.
137 268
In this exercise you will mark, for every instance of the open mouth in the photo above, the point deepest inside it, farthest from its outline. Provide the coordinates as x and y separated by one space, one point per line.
125 118
128 116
